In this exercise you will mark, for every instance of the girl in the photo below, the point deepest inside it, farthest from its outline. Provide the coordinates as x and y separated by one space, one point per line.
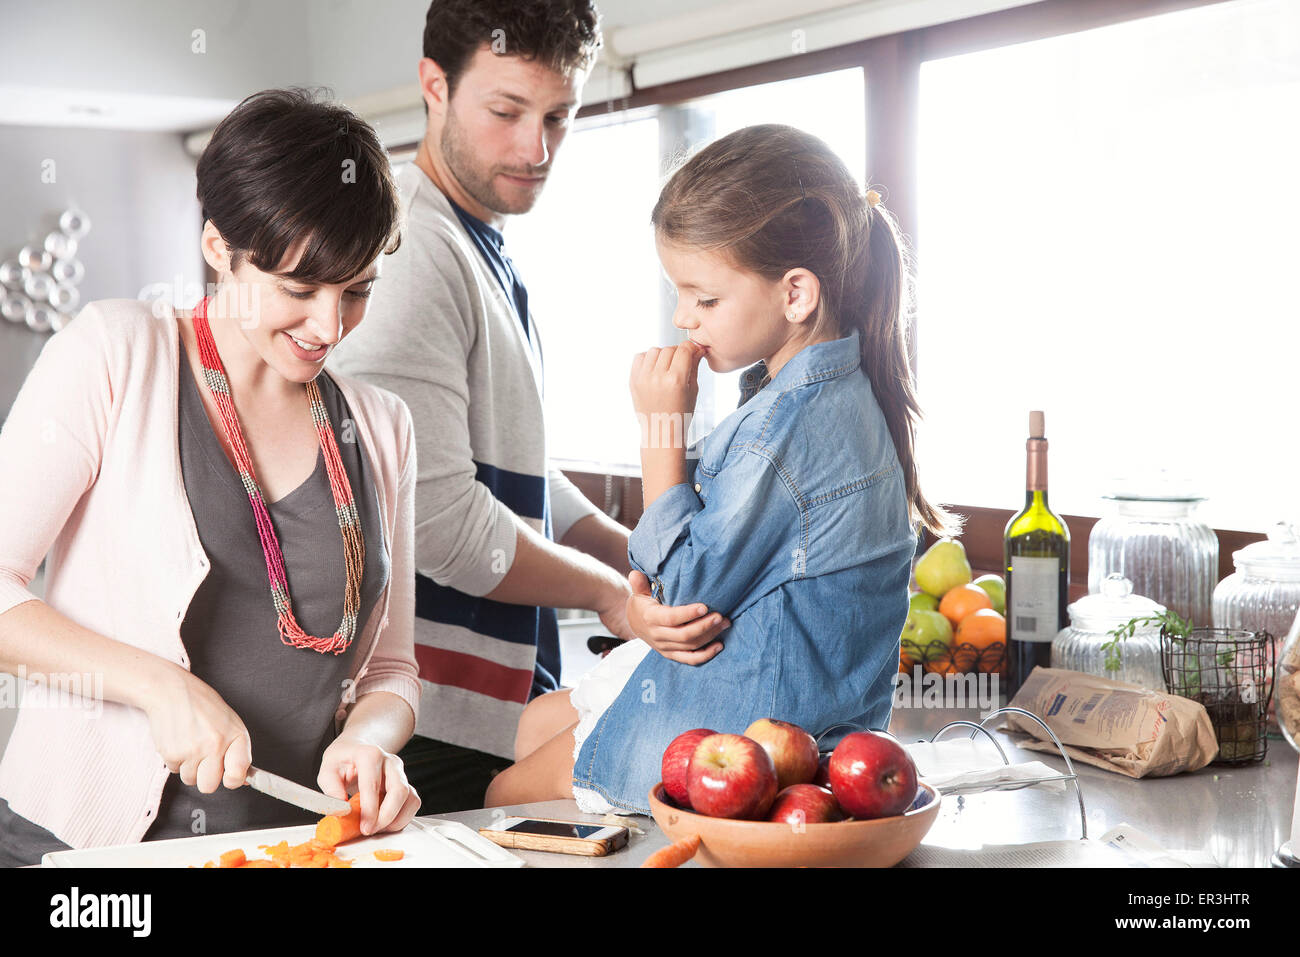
175 465
796 523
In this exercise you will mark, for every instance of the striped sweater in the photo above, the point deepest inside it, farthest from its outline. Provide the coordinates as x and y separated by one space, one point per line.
442 334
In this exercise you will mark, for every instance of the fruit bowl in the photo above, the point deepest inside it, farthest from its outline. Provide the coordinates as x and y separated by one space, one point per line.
725 842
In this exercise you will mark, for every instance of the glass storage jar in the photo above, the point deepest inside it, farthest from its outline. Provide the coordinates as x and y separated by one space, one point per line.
1152 537
1080 645
1286 688
1263 594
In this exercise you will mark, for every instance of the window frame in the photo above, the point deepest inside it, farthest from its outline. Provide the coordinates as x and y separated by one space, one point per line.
891 66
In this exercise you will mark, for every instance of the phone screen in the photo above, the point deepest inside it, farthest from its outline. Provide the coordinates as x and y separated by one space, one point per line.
555 828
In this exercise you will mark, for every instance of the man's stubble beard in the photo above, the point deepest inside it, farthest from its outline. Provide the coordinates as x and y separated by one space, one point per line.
475 180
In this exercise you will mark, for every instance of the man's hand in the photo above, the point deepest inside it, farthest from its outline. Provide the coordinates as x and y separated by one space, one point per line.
613 611
684 633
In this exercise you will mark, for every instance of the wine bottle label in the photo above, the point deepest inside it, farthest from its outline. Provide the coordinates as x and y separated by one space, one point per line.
1035 598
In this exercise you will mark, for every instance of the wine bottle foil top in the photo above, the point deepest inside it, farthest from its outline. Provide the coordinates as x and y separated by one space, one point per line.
1036 465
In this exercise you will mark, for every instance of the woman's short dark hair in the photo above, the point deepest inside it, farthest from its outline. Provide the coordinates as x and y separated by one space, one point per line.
288 165
563 35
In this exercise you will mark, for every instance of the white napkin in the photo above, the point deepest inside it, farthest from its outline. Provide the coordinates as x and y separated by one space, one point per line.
967 765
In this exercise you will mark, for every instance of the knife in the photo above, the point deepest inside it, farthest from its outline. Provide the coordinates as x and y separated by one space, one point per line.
293 793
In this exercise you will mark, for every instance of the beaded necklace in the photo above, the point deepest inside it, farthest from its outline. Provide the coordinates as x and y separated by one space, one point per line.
354 547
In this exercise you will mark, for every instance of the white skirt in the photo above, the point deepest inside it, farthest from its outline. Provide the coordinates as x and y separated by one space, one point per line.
594 692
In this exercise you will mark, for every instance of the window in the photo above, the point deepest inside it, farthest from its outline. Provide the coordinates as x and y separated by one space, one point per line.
1106 232
586 252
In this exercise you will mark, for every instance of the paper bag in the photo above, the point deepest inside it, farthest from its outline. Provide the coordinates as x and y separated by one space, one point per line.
1115 725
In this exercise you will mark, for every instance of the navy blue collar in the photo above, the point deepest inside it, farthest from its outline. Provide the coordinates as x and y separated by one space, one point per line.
476 225
814 363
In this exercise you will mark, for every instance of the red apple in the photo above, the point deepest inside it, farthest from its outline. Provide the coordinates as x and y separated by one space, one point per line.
801 804
677 758
823 776
731 776
792 749
872 775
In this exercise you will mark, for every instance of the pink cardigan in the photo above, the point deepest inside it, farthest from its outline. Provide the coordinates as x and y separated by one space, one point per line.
90 473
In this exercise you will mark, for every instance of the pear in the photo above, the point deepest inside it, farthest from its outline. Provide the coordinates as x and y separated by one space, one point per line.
920 632
997 591
920 601
943 566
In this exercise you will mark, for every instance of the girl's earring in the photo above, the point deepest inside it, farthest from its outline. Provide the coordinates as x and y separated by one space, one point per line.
790 316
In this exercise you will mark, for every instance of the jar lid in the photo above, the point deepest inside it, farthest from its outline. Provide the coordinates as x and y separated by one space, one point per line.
1113 606
1278 557
1159 485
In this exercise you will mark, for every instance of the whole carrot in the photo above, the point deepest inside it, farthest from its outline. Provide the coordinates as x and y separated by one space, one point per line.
675 854
332 830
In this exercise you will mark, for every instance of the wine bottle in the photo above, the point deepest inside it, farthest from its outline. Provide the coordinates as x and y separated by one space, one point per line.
1036 553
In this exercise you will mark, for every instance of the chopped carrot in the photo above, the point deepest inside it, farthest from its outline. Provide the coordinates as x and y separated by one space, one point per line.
674 855
319 851
334 830
389 854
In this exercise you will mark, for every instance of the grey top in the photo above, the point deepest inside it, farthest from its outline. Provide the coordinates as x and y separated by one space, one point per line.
443 335
286 696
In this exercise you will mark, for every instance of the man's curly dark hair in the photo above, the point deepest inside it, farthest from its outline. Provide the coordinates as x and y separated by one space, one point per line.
563 35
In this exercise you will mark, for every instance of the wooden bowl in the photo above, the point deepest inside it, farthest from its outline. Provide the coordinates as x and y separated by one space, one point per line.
729 843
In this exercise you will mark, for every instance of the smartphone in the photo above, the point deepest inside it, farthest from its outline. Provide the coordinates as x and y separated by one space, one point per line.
561 837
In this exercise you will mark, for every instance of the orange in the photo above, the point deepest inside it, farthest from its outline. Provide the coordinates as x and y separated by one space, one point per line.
981 638
963 600
942 664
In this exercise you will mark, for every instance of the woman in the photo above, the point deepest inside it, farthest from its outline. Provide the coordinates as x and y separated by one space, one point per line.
173 466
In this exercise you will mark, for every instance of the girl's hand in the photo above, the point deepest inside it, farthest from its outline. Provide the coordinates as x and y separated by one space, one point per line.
388 802
684 633
197 733
665 380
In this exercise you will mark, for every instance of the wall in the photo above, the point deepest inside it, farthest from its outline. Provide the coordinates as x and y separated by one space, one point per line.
138 189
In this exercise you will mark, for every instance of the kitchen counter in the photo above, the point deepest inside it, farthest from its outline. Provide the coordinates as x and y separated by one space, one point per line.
1238 815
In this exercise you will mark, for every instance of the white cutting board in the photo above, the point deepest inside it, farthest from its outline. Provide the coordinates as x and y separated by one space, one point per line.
427 842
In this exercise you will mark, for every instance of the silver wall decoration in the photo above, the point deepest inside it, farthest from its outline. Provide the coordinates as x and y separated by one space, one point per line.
60 245
13 275
35 258
40 317
14 307
39 286
74 223
68 271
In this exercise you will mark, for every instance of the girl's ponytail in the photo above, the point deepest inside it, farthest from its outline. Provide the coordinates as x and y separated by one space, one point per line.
884 318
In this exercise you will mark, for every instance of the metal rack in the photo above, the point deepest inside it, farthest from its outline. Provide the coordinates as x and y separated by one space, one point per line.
1071 775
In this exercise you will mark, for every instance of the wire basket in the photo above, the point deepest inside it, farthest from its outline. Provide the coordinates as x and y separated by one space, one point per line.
942 658
1230 672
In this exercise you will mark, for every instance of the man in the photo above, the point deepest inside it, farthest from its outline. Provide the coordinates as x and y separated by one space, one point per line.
501 538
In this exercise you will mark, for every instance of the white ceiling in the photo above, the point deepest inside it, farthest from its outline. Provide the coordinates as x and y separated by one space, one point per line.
182 64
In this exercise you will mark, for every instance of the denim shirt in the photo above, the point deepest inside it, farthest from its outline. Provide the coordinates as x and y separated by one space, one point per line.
796 527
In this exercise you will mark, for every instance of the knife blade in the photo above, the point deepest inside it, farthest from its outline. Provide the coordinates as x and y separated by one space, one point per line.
293 793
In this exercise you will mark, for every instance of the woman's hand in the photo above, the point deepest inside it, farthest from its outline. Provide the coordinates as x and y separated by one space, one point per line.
684 633
388 802
665 381
197 733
